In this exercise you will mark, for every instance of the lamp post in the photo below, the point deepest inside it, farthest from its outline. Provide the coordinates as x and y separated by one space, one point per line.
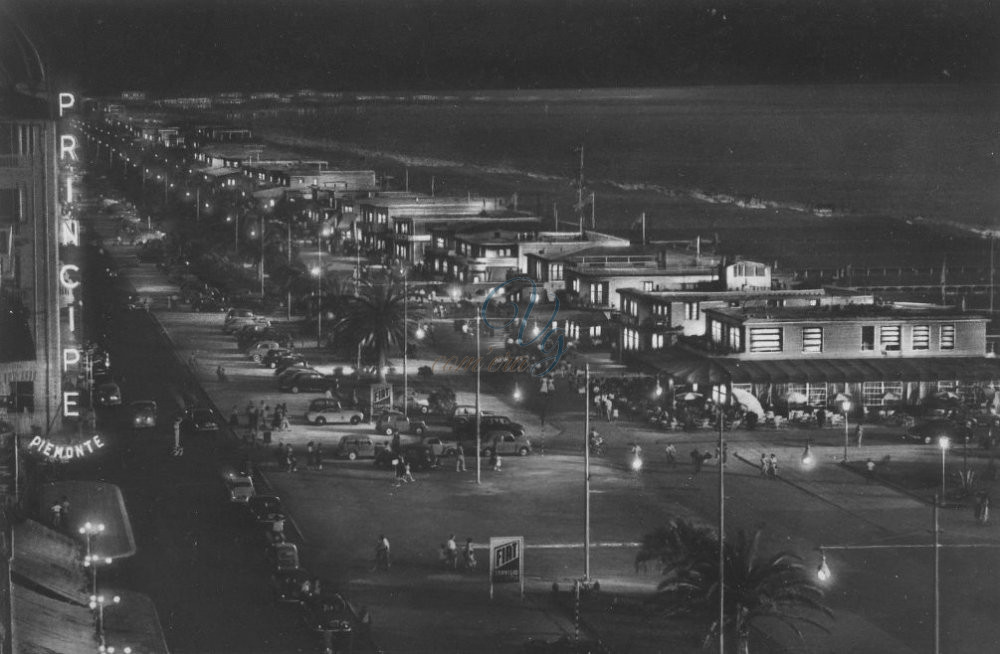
824 574
102 649
90 530
318 271
406 345
846 406
944 443
722 534
586 474
97 603
260 265
92 561
479 445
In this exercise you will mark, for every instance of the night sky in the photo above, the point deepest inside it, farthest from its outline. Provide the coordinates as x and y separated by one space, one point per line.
182 46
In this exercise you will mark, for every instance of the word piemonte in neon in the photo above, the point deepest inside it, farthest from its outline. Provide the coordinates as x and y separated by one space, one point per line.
556 348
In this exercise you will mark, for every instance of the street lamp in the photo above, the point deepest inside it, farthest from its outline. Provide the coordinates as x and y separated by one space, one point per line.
808 460
318 272
90 530
944 443
517 392
846 407
97 603
101 649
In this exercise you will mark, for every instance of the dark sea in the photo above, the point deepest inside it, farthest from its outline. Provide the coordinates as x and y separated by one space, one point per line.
927 151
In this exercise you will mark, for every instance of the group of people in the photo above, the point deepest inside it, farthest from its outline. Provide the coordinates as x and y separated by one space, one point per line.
59 513
260 418
769 466
450 556
284 457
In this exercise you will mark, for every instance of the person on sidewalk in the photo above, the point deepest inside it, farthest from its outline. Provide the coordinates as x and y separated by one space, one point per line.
696 460
859 434
319 456
671 452
234 418
407 475
469 555
869 470
763 465
983 508
821 418
55 515
459 458
382 553
310 454
451 552
772 466
496 462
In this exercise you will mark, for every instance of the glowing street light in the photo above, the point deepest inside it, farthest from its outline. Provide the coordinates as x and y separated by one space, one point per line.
944 443
808 460
517 392
845 406
823 571
97 603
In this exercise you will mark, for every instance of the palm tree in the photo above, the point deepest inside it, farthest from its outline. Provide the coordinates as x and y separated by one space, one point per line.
374 319
777 587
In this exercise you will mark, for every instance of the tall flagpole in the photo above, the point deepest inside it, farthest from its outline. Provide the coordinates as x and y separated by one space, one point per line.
586 476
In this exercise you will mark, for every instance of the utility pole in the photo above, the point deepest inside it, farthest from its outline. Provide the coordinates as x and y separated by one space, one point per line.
579 191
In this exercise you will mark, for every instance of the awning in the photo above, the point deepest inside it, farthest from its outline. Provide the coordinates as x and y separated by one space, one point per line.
49 560
690 368
95 502
42 625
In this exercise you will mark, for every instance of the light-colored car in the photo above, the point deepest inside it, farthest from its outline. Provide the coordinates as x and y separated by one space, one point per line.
394 422
240 487
355 447
440 446
419 402
504 442
259 350
324 411
465 412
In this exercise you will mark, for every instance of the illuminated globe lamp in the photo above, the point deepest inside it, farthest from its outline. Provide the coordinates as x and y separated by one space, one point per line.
823 571
517 392
102 649
808 460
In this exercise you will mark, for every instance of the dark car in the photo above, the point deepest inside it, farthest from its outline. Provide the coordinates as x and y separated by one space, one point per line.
107 394
247 336
265 509
309 381
467 429
932 430
143 414
207 304
287 585
200 420
282 357
394 422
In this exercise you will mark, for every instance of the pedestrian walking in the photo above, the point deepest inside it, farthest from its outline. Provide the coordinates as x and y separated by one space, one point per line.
407 475
310 454
400 469
459 458
772 466
469 555
671 453
319 456
869 470
821 418
55 514
382 559
496 462
451 552
252 416
234 417
859 434
696 460
763 464
983 508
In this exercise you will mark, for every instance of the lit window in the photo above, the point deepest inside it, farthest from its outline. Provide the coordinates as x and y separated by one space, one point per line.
921 337
657 341
947 337
735 338
765 339
889 337
647 286
812 339
716 331
692 310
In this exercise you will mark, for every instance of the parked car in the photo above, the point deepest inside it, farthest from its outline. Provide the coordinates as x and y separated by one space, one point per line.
260 348
237 318
466 412
394 422
504 442
200 420
933 429
466 429
309 381
274 355
240 487
440 446
292 371
418 402
107 394
333 616
143 414
286 585
266 509
291 364
355 447
324 410
284 556
207 304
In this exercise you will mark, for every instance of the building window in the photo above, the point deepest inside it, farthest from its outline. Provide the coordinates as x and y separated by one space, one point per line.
10 205
921 337
815 393
812 339
881 393
596 331
867 338
631 339
735 338
556 272
814 303
765 339
889 337
657 341
630 307
575 285
947 337
716 331
692 310
661 310
647 286
597 293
